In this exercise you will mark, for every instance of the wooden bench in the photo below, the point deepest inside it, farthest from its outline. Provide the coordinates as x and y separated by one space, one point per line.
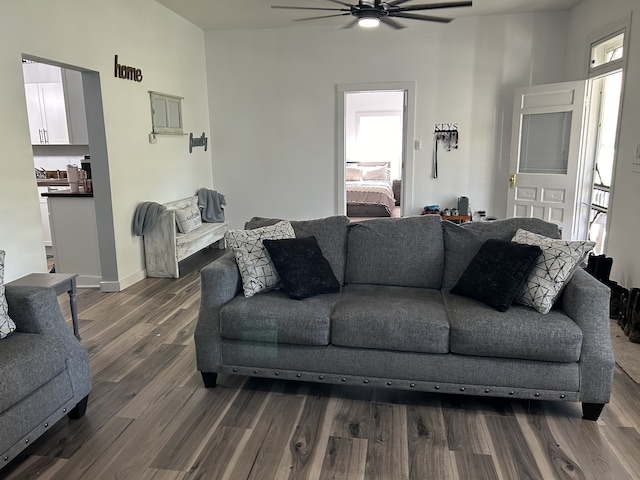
165 246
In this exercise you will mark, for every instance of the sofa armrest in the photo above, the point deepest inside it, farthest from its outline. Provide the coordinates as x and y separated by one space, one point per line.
36 310
219 283
586 301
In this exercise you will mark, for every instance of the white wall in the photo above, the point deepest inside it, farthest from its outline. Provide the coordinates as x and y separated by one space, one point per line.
87 34
587 19
273 106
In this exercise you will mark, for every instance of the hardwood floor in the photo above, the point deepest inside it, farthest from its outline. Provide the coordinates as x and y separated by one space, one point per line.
149 416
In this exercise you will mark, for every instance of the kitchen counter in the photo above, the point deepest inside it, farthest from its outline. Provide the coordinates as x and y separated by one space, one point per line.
66 193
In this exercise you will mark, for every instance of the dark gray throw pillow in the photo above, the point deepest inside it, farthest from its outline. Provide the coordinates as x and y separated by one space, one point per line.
497 273
303 269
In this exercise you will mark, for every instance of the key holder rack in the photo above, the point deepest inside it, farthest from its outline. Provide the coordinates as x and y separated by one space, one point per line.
446 134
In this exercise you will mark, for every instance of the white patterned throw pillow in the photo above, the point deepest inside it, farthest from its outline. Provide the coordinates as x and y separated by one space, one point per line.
6 324
188 218
554 268
256 269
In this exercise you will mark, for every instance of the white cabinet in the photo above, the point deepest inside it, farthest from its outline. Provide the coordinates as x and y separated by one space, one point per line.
75 238
55 105
47 113
44 214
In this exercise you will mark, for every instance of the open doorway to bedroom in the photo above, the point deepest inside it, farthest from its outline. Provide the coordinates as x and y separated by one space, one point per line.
375 125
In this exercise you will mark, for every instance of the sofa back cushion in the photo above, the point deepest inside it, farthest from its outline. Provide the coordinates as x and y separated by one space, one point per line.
404 252
462 242
330 232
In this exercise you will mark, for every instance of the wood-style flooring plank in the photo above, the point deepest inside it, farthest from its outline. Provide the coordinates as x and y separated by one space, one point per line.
344 459
473 466
387 452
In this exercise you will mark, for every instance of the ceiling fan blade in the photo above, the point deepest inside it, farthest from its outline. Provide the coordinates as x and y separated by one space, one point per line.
322 16
341 3
396 2
391 23
351 24
414 16
433 6
313 8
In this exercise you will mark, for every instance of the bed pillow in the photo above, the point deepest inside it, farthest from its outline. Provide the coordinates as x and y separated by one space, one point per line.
353 174
6 324
188 218
256 269
375 173
552 270
497 272
303 269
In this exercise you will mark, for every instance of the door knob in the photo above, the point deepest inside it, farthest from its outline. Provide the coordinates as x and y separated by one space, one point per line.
512 181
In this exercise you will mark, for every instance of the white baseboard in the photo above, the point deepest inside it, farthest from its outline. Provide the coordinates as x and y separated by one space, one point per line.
118 286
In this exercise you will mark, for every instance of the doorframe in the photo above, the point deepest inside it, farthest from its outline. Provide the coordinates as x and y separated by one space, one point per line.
408 134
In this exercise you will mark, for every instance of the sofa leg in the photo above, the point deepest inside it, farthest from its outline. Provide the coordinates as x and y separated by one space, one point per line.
591 411
79 410
209 379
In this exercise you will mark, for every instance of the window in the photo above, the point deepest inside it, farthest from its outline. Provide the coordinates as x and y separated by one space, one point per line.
166 114
607 51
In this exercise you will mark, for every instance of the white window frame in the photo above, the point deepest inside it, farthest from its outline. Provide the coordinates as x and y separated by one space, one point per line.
166 114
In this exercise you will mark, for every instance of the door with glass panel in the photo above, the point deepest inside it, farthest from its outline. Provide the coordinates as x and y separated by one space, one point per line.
545 153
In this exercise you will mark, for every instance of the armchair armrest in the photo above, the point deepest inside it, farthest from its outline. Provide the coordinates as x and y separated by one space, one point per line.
219 282
36 310
586 301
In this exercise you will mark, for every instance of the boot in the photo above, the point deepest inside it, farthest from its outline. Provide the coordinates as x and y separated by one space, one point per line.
634 333
599 266
619 297
631 306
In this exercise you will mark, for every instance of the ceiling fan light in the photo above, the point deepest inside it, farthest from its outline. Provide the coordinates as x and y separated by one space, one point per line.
369 22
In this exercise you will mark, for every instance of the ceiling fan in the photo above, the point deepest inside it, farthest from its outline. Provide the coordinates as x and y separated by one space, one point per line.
369 13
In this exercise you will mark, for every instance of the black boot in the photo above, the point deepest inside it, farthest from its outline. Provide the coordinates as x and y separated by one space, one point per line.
619 297
634 332
631 306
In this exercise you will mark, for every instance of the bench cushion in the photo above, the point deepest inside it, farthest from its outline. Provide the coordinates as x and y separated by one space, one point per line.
391 318
28 361
477 329
404 252
273 317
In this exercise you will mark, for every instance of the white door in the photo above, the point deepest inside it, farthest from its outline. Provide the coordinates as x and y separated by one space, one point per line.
545 153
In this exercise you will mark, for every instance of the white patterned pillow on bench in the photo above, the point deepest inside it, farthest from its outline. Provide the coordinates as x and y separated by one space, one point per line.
6 324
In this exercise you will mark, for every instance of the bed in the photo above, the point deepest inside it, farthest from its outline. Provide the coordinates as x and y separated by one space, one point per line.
369 189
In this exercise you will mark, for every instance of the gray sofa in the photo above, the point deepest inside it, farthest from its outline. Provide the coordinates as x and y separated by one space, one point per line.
395 324
44 370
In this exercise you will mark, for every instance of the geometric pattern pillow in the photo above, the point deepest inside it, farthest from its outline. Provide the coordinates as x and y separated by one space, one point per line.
554 268
6 324
256 269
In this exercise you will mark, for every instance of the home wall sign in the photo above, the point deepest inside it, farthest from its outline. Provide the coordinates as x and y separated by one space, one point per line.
448 135
200 141
127 73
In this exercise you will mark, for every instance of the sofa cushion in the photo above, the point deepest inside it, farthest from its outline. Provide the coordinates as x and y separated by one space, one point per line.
331 233
405 252
254 263
391 318
28 361
497 272
552 270
275 318
476 329
462 242
302 268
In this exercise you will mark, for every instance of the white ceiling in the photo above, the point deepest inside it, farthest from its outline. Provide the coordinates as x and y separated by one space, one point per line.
249 14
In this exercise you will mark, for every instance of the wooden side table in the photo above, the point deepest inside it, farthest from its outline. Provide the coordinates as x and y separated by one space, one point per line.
61 283
457 218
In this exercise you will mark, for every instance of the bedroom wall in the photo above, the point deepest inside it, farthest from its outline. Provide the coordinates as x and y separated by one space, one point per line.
272 97
88 34
587 19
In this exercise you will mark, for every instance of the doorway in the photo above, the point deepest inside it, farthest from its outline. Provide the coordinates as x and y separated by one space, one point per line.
86 135
375 132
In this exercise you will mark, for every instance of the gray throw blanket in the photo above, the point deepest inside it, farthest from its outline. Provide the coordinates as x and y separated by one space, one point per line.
145 217
211 204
